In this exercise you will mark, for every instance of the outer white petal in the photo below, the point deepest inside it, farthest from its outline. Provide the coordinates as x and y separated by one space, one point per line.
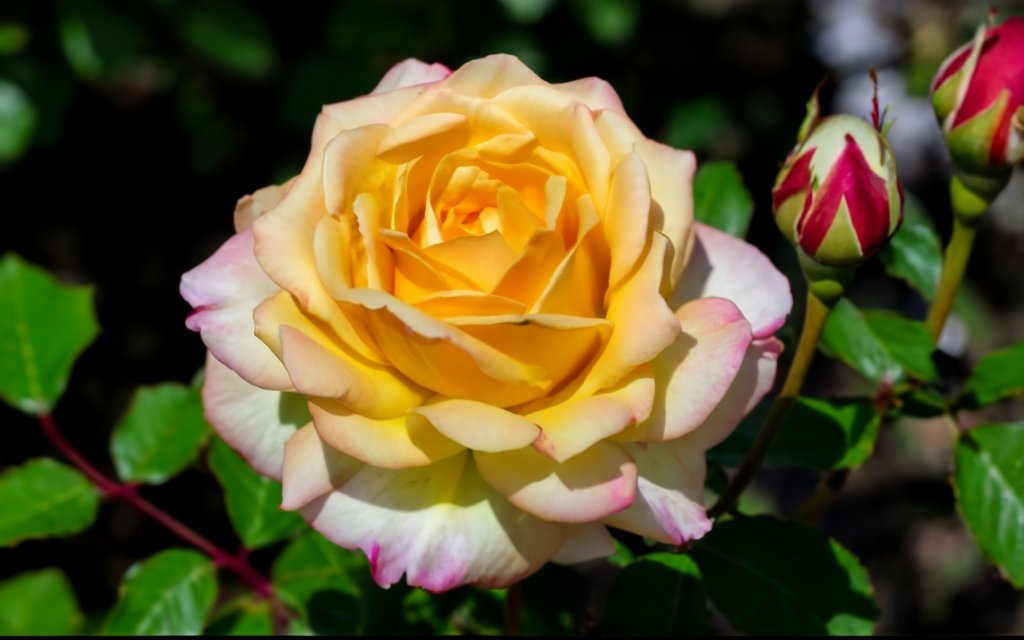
669 506
223 291
254 421
441 525
726 267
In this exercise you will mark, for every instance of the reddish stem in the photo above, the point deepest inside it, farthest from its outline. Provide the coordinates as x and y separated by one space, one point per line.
128 493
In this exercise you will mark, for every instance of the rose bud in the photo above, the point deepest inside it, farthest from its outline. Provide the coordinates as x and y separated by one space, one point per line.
838 198
481 327
978 95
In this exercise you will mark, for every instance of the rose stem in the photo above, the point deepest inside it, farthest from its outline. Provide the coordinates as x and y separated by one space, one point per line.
968 207
513 598
814 321
128 493
811 509
953 267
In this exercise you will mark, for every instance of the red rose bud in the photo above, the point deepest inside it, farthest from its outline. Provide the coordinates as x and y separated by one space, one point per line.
978 95
838 198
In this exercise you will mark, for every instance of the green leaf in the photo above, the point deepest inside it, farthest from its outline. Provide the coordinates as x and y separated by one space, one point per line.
819 433
720 198
527 11
231 36
38 603
881 345
253 500
697 125
18 121
999 375
161 433
914 254
989 480
771 577
609 22
243 616
321 580
13 38
43 328
659 595
170 593
44 498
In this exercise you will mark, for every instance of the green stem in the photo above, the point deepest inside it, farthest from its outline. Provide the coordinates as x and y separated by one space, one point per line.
958 252
814 321
968 207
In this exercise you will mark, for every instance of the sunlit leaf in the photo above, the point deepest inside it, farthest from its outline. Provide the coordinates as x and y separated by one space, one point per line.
771 577
881 345
253 500
44 498
38 603
989 482
160 435
43 328
660 594
170 593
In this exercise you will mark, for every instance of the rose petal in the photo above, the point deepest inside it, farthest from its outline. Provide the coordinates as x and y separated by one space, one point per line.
389 443
671 176
252 206
644 324
696 371
254 421
444 358
411 72
312 468
754 380
571 427
224 290
441 525
560 346
486 77
593 92
727 267
669 505
320 368
590 486
584 542
628 215
479 426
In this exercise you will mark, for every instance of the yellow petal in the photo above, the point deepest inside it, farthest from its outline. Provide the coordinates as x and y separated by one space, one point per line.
591 486
391 443
479 426
445 358
571 427
311 469
429 132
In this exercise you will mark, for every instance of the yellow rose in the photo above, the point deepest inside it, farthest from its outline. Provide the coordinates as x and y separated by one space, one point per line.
481 325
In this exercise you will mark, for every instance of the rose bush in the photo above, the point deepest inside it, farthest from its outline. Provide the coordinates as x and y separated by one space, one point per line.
481 326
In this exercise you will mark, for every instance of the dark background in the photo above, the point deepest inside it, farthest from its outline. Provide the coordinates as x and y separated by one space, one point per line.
129 129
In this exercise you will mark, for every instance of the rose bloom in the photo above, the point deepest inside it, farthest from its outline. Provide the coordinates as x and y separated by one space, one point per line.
481 326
